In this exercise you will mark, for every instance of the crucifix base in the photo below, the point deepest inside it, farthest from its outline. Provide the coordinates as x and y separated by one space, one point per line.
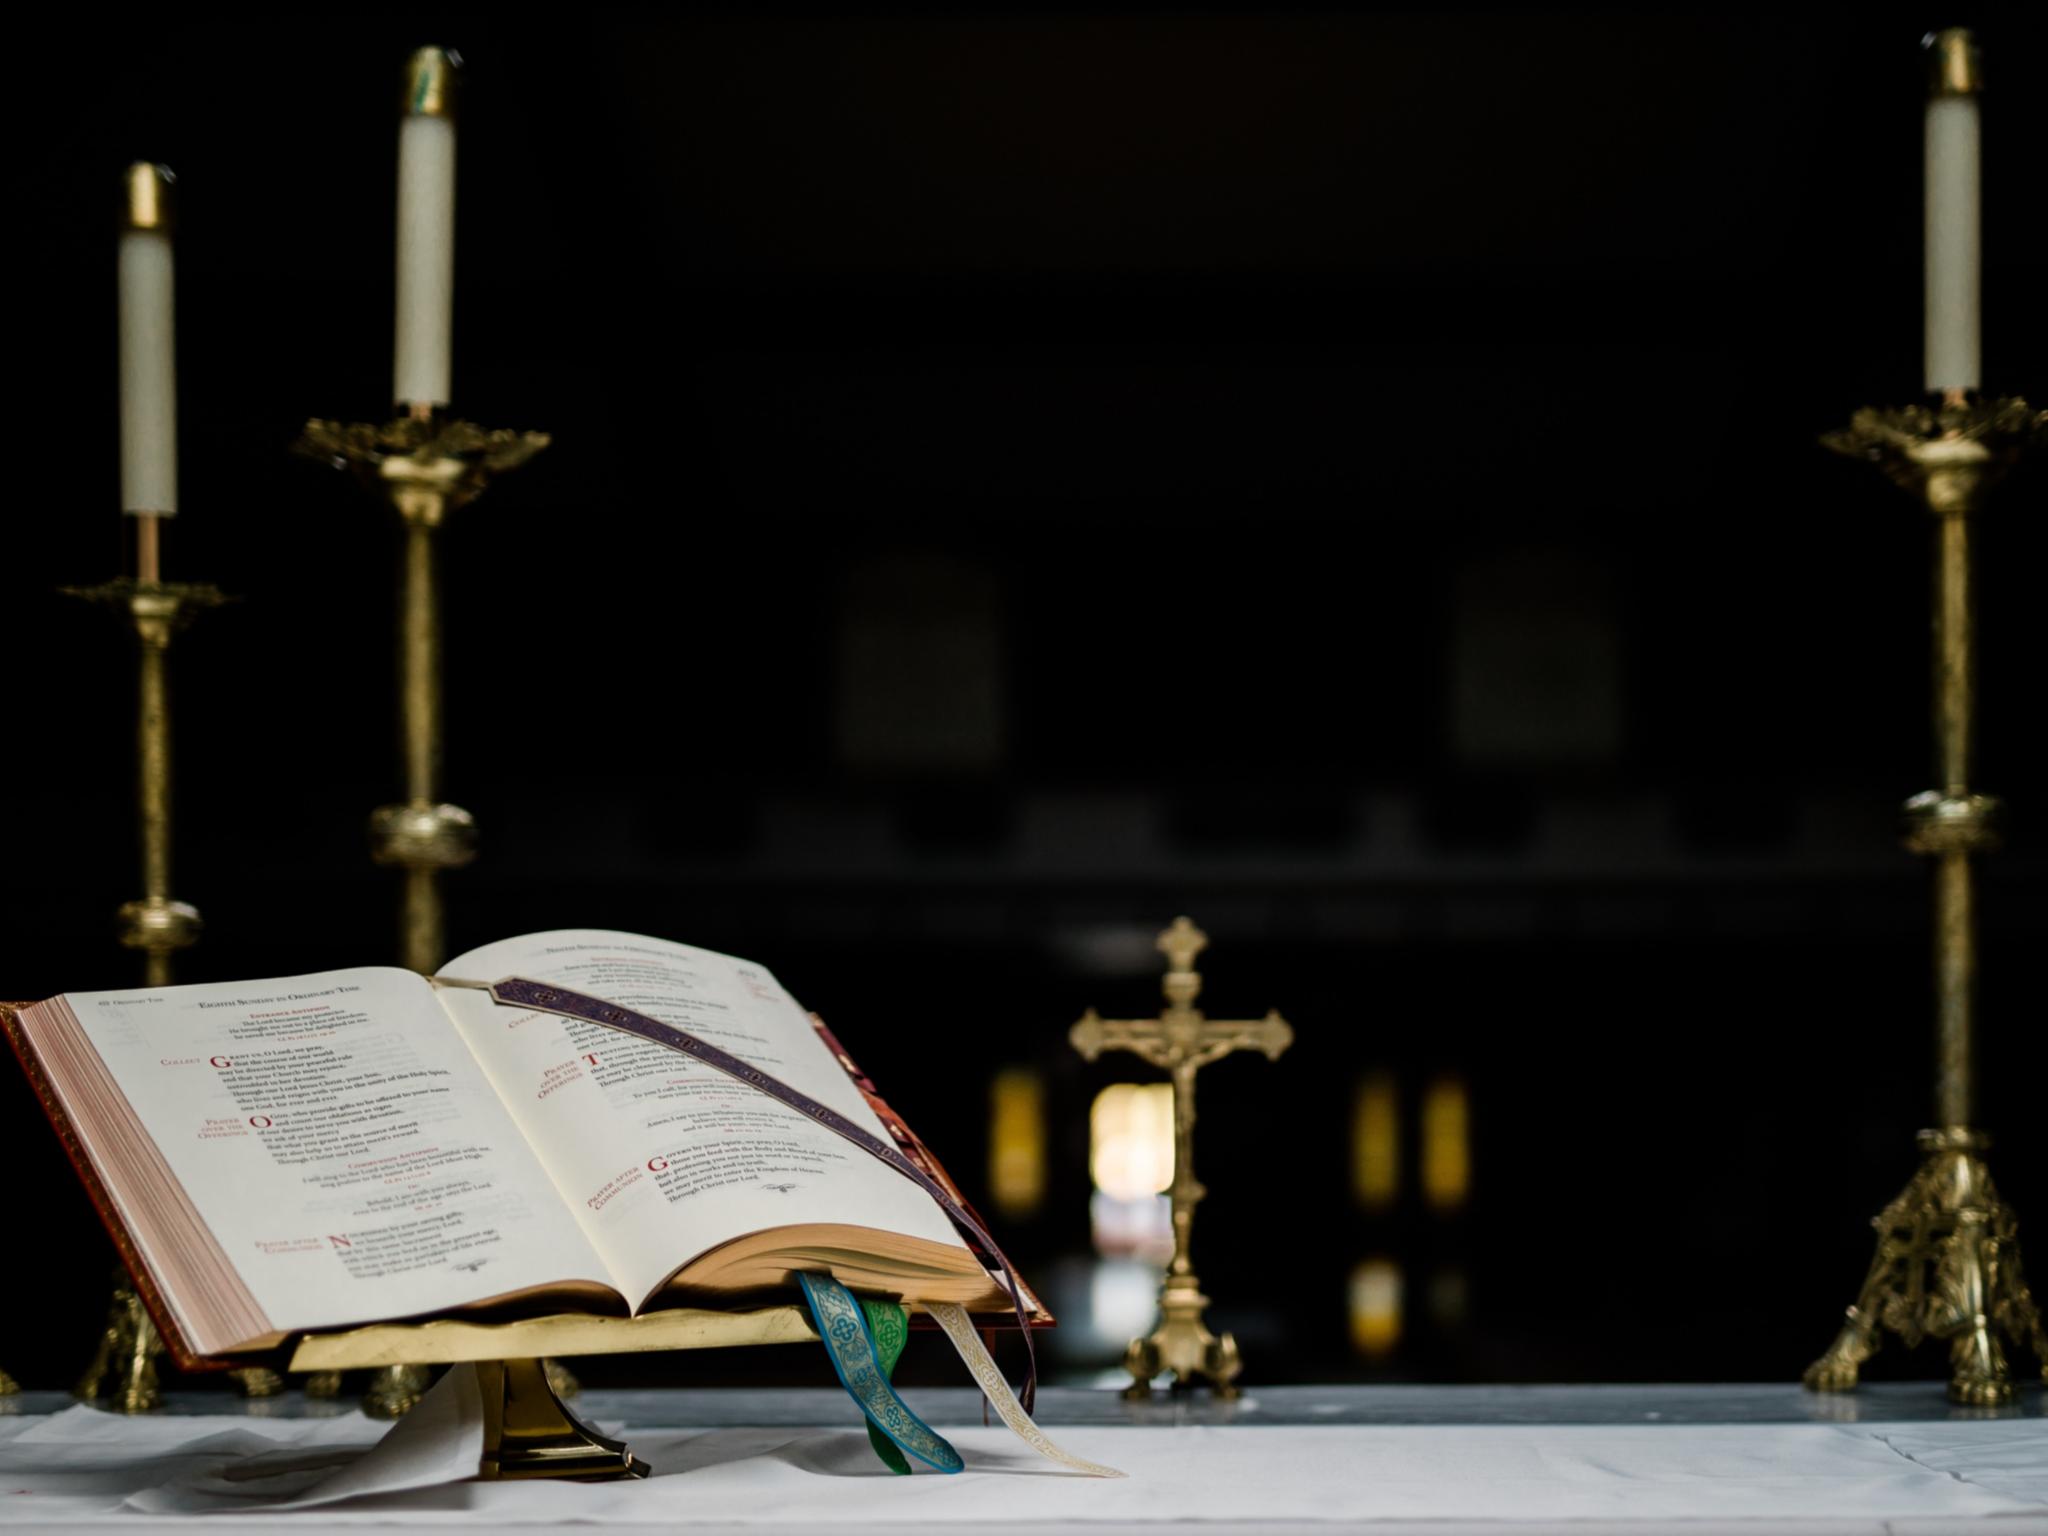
1947 1267
1183 1345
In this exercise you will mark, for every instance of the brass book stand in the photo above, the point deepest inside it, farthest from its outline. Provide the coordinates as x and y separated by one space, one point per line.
528 1431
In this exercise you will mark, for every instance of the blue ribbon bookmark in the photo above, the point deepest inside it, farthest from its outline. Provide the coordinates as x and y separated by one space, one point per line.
852 1349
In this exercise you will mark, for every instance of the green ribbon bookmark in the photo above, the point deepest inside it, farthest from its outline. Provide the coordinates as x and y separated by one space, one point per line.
856 1359
889 1326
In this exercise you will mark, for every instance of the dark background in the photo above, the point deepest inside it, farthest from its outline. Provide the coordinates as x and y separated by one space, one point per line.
1351 478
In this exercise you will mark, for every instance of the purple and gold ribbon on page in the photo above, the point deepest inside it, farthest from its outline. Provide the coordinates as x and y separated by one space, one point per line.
544 997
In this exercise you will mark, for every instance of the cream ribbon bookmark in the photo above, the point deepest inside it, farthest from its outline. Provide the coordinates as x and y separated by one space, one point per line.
954 1320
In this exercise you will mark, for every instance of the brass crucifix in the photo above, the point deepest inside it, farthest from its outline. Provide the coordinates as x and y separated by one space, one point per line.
1183 1042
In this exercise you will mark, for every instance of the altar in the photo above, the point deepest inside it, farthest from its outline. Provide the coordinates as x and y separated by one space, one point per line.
911 505
1895 1459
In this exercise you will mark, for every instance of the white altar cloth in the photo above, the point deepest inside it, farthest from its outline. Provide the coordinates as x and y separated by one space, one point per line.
83 1470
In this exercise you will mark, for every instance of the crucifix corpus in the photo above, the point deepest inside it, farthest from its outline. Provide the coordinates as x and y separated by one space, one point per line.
1182 1041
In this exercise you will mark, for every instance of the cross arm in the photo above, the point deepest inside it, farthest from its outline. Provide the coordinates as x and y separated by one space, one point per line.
1221 1037
1093 1035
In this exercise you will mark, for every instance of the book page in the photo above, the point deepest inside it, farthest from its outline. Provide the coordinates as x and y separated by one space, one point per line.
340 1143
662 1157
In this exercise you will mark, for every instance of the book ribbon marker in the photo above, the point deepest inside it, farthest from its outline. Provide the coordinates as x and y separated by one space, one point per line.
889 1327
953 1318
844 1328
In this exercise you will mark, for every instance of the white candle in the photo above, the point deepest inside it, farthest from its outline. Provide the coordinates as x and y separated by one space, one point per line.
1954 276
426 232
149 376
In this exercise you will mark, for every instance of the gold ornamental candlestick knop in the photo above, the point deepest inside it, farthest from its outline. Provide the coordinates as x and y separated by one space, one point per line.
1182 1040
1948 1258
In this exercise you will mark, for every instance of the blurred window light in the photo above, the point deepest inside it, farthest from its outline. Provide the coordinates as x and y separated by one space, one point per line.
1130 1158
1446 1145
1376 1142
1130 1140
1016 1141
1375 1307
1123 1302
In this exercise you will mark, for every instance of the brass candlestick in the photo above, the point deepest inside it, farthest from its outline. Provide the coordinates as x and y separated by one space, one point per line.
157 611
425 466
157 924
1948 1258
1182 1041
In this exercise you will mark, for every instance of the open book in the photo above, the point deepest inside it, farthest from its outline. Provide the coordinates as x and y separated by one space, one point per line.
351 1147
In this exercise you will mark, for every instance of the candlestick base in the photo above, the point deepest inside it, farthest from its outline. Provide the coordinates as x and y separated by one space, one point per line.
1947 1267
394 1389
124 1364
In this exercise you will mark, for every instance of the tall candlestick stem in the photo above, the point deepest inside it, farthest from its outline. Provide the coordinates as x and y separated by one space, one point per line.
153 757
424 466
1955 925
419 649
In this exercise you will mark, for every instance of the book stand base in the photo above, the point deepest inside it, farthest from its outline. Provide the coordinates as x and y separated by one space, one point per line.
528 1431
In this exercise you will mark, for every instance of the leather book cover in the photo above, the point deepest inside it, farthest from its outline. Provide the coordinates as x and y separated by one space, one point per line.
131 1258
